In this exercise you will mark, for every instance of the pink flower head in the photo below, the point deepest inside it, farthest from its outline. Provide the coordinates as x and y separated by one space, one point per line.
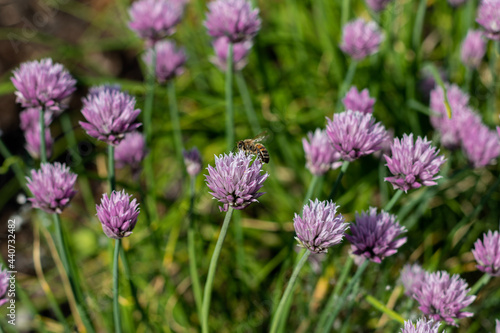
377 5
413 164
240 53
170 60
233 19
320 227
110 115
488 16
412 277
30 118
320 154
443 297
118 215
192 160
131 151
375 236
52 187
422 326
361 39
480 144
43 84
4 285
487 253
358 101
473 49
33 143
153 20
354 134
235 180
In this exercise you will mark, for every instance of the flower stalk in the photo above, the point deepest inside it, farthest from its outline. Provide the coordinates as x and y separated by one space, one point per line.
289 288
212 268
193 270
338 304
116 292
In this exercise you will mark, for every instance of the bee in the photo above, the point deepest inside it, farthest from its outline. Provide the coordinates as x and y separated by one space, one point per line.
253 147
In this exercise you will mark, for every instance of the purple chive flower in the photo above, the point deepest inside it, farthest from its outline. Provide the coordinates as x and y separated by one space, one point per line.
96 90
374 236
456 3
169 60
33 144
473 49
192 160
443 298
4 285
153 20
320 227
377 5
487 253
497 326
131 151
358 101
240 53
233 19
360 39
413 164
354 134
422 326
488 16
29 118
480 144
235 180
320 154
110 115
43 84
118 215
451 129
412 277
52 187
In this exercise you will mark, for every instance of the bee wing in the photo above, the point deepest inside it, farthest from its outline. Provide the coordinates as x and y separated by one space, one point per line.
261 136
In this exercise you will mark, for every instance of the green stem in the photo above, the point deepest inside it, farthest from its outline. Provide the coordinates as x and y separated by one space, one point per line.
176 125
343 170
195 280
493 61
338 304
480 283
150 93
43 150
468 78
133 288
346 83
384 309
247 103
111 168
116 292
333 297
345 12
310 190
289 288
393 201
229 98
148 130
211 270
418 27
61 245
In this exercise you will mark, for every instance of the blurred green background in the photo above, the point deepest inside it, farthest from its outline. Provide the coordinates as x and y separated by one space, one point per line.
294 73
